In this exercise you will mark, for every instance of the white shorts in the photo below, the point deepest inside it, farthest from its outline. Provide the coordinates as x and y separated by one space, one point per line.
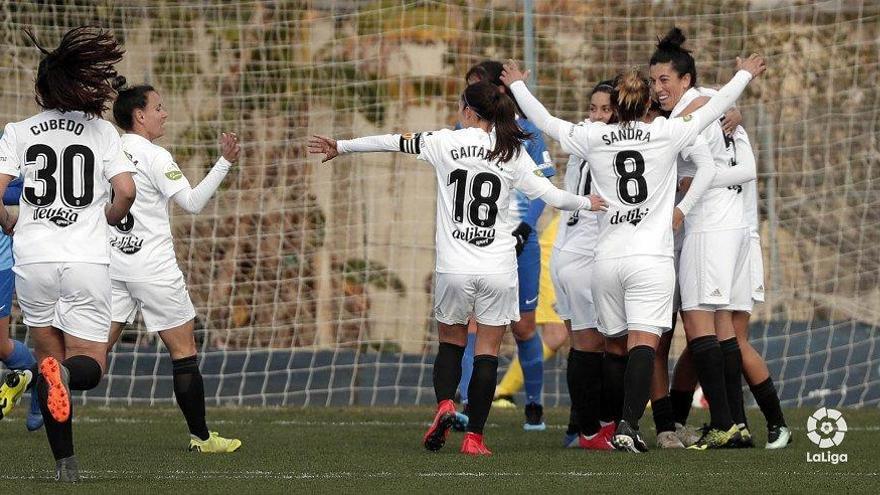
491 299
634 293
756 262
713 271
165 303
572 274
72 297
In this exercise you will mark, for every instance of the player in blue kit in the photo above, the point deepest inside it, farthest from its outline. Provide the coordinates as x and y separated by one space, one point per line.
14 354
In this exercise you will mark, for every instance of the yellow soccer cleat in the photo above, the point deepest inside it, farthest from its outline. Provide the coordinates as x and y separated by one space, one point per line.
215 444
718 439
14 386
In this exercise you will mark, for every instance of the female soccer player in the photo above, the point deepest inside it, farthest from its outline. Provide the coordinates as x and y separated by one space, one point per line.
14 354
754 367
713 269
477 167
524 214
143 266
632 164
70 158
571 269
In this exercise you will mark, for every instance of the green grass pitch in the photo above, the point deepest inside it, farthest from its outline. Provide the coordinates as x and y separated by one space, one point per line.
370 450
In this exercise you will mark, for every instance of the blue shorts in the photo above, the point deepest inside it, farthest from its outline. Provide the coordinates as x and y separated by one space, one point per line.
529 273
7 285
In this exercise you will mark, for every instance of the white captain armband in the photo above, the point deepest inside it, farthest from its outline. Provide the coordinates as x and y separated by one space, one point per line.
411 143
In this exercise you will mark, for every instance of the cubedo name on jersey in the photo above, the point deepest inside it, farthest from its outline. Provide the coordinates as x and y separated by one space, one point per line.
57 125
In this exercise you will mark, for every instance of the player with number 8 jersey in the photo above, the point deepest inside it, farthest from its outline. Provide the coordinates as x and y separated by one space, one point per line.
632 165
477 168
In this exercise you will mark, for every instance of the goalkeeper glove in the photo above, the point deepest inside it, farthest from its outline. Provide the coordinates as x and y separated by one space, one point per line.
521 234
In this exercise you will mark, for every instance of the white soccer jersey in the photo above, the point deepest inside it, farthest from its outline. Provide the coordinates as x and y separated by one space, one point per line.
750 188
473 198
633 168
67 159
719 208
142 247
578 230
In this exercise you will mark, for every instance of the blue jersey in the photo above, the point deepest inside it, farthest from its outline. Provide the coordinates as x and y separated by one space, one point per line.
519 204
10 197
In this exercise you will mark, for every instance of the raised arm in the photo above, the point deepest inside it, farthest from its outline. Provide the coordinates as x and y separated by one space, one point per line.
194 199
514 78
717 105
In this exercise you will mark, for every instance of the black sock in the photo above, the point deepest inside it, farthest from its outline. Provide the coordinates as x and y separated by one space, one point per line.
637 384
709 363
481 390
613 370
768 400
60 435
189 390
681 404
733 364
584 376
574 426
85 372
664 418
447 370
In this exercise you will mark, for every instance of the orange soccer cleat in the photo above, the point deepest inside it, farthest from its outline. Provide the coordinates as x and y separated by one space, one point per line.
56 377
473 445
435 438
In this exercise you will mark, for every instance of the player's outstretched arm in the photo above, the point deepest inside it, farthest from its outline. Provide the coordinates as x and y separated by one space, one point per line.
514 78
331 148
716 106
124 193
194 199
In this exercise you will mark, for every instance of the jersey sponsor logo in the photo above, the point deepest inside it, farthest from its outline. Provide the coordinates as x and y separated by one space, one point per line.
61 217
716 293
174 174
475 235
687 118
530 301
539 172
633 217
130 158
127 244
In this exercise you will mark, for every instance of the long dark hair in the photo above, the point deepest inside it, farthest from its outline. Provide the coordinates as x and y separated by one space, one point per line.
670 50
493 106
633 96
490 70
77 76
127 101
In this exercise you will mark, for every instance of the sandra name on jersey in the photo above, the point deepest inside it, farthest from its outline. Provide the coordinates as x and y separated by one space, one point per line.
57 125
626 134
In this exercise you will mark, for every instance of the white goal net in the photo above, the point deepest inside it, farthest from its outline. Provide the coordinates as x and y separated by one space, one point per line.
312 282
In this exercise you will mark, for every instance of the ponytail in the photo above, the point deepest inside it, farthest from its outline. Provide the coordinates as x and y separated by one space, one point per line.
495 107
633 96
